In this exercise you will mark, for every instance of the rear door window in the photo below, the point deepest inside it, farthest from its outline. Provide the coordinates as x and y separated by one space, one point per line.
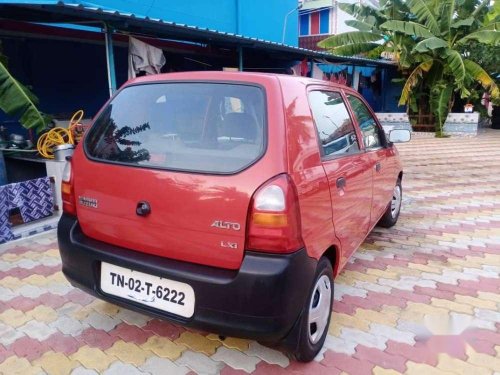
198 127
335 128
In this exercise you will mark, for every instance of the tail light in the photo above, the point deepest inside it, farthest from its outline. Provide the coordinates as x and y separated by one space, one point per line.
67 190
274 218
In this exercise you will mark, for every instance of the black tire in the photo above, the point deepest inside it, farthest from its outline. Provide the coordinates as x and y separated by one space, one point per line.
306 349
391 214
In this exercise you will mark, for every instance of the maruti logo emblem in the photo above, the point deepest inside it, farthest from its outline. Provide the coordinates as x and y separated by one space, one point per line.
87 202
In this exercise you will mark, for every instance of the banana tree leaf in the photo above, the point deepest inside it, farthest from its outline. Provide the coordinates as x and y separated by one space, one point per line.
480 75
430 44
483 36
446 12
29 93
424 13
494 13
15 100
361 26
440 104
492 26
413 79
3 59
456 65
351 9
361 12
465 22
405 58
350 37
434 75
481 6
354 49
407 28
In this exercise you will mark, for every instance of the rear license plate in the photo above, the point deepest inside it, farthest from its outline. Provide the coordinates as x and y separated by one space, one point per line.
163 294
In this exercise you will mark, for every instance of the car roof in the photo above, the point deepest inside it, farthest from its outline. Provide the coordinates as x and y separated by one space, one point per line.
233 76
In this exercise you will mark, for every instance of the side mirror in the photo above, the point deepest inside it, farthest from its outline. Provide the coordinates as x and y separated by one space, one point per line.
399 136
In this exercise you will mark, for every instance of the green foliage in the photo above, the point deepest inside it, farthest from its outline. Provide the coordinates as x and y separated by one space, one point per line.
463 23
17 100
425 12
361 26
434 43
480 75
413 79
430 44
351 43
408 28
441 95
3 59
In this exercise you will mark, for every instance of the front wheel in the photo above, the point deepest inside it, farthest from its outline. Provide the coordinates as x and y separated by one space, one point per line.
315 319
391 214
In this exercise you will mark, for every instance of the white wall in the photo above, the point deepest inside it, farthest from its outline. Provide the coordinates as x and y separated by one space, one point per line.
342 16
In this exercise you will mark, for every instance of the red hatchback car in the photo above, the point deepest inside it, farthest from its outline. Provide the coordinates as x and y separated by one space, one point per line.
228 201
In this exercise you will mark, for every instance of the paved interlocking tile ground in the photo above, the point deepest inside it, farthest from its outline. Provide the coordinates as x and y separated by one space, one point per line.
420 298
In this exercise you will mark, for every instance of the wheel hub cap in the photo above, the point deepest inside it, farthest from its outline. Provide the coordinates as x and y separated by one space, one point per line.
396 201
319 308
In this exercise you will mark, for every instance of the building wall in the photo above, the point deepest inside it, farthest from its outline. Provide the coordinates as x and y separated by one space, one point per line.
262 19
314 9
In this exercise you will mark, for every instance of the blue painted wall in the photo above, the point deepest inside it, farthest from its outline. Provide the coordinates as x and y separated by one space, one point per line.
255 18
262 19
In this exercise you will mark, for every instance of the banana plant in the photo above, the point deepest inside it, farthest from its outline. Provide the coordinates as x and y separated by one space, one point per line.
18 101
428 39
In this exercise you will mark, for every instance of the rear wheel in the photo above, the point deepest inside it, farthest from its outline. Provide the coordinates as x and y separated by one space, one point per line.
314 322
391 214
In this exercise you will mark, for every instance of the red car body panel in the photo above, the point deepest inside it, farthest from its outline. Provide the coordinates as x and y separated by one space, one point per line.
332 217
184 205
306 170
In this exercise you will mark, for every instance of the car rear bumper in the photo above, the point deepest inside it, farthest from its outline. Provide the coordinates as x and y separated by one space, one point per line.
262 300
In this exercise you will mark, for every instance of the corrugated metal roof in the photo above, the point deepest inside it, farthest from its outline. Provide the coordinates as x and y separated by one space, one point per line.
60 11
316 4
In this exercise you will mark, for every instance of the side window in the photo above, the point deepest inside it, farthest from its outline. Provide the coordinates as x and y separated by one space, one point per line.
372 135
335 127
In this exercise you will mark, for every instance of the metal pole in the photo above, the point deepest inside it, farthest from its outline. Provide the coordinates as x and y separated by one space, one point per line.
286 19
110 59
240 57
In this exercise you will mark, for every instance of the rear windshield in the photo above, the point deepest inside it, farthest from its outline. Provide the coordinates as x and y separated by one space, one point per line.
199 127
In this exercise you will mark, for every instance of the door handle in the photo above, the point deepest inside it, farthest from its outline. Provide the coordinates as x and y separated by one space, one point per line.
341 182
143 208
378 167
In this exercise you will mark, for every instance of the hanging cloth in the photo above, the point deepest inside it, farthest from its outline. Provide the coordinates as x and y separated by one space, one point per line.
144 58
304 68
317 73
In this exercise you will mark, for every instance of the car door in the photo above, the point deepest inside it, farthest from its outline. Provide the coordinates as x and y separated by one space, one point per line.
346 166
377 154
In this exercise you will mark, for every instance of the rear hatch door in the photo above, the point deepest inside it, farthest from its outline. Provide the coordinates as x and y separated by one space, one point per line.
168 169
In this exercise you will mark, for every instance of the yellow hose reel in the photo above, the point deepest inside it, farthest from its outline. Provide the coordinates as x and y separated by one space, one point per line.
58 136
